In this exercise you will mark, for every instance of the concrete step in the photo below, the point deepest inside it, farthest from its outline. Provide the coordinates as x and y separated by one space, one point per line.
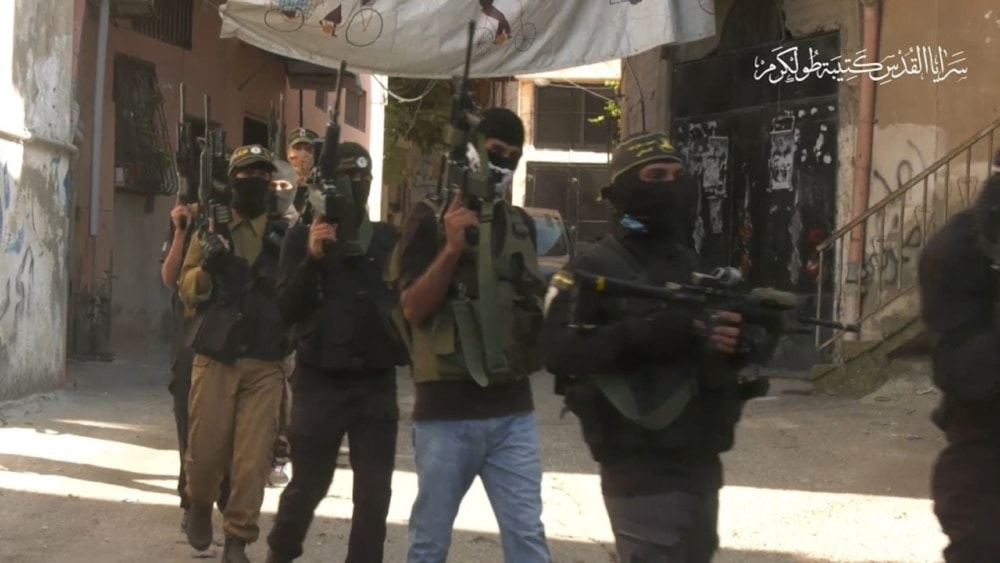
863 366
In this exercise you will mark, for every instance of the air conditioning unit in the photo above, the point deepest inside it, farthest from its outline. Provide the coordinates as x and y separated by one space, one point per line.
133 8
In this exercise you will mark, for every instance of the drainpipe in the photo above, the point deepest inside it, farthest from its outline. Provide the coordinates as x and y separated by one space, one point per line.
865 131
96 144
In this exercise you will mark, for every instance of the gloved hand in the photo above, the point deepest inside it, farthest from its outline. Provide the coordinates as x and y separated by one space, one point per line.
214 248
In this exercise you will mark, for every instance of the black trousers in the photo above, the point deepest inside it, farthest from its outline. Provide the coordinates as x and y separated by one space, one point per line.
675 527
324 409
180 388
966 490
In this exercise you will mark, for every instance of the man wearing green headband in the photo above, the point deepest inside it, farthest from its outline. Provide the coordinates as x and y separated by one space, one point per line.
655 414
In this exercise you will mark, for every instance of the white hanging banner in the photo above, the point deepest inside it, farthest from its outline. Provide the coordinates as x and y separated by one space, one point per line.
428 38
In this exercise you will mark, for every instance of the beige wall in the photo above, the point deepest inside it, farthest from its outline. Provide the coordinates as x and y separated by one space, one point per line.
120 266
917 121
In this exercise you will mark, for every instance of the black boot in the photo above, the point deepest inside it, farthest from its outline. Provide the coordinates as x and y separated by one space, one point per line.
273 558
235 551
199 526
184 521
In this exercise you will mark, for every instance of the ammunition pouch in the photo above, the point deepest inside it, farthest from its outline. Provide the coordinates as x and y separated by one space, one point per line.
489 328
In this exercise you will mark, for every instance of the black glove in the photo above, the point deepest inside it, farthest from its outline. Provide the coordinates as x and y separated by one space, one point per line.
213 252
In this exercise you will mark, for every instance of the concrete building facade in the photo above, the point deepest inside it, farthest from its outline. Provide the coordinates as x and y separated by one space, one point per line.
118 302
36 151
565 160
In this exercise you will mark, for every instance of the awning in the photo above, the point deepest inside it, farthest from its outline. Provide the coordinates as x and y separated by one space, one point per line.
427 38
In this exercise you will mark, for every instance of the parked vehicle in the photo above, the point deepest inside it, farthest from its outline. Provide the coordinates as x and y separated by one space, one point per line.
554 244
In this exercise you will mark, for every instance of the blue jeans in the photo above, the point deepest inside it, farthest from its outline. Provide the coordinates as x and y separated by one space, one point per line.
504 452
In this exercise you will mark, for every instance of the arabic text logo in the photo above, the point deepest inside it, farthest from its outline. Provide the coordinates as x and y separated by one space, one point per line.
921 61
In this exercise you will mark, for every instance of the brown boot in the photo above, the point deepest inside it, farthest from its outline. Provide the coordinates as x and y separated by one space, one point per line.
235 551
199 526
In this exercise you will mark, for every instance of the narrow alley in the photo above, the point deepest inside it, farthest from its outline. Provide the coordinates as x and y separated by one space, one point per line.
88 475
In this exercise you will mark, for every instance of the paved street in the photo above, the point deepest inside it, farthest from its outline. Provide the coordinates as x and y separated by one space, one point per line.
89 475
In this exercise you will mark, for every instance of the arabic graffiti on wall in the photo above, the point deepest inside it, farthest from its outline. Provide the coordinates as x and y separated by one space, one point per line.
918 61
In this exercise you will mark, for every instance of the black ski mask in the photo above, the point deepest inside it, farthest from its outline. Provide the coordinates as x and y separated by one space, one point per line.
655 202
503 125
250 196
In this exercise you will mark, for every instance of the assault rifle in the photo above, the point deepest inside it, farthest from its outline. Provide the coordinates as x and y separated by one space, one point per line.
459 171
185 157
276 128
331 198
212 149
776 312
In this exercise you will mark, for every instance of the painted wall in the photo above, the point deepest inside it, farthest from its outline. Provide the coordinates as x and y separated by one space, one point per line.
35 127
117 271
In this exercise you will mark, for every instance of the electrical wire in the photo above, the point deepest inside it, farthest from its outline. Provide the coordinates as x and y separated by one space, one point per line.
430 86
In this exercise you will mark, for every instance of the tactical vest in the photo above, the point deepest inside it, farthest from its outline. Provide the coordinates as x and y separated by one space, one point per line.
241 318
351 330
488 328
654 407
649 398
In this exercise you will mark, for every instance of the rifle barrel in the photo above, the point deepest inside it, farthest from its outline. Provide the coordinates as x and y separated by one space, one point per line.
830 324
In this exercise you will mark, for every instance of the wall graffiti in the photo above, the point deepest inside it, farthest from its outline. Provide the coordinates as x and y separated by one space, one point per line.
15 293
706 152
896 235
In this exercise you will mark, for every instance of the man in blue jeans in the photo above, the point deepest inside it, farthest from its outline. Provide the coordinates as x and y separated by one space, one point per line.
474 415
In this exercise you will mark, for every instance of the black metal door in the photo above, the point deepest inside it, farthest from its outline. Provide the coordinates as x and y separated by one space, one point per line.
765 159
574 190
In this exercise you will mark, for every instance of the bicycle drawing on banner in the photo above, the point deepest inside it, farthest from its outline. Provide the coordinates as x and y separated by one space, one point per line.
495 30
364 23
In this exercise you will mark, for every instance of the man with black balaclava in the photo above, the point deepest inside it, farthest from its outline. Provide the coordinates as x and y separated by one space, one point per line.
175 246
281 206
959 292
468 421
657 393
228 281
338 306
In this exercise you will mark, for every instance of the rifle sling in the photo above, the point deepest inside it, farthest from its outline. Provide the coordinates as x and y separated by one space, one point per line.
616 388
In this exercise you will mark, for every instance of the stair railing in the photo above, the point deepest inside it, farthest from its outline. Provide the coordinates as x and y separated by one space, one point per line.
880 251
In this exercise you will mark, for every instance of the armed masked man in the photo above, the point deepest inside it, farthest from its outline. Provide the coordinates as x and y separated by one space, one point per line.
175 246
959 290
333 296
467 309
656 394
238 336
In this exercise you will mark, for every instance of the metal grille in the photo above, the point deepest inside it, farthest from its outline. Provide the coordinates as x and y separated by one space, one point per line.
142 145
172 23
562 112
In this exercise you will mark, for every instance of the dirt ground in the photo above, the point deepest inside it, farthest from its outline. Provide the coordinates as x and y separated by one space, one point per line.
88 475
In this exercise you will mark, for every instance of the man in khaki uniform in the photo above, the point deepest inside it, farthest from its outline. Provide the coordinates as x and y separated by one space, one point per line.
228 284
300 154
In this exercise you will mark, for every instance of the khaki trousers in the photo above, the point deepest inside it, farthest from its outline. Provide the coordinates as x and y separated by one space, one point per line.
233 418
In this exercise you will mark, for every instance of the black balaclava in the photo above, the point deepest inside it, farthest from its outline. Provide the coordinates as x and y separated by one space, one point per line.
250 195
279 203
355 161
651 208
503 125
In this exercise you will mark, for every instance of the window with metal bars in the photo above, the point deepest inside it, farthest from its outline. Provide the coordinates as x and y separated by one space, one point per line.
172 23
354 108
562 114
144 161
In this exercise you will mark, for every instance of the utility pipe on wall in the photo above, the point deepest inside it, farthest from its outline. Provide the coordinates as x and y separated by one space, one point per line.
96 145
865 131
